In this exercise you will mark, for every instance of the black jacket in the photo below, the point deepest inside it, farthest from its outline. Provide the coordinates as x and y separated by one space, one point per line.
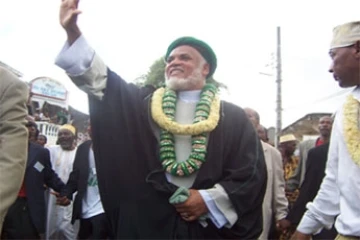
78 179
39 172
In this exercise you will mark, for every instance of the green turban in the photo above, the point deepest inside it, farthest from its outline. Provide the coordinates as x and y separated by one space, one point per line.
203 48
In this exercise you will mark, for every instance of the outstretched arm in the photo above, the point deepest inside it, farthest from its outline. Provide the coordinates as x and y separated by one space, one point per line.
77 58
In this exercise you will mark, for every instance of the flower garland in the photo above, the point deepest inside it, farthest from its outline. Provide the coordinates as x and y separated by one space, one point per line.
351 128
206 119
167 122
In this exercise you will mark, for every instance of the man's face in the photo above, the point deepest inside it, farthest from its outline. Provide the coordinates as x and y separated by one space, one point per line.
32 133
346 65
66 139
89 130
325 125
262 133
41 140
252 117
289 147
185 69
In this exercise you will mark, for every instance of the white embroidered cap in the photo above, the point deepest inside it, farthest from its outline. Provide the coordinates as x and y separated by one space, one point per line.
345 35
287 138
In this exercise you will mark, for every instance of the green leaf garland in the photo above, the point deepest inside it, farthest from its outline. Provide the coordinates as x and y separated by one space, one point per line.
167 141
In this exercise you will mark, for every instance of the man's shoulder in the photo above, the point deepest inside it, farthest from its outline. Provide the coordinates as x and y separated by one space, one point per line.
321 148
230 108
270 148
139 91
85 144
229 104
8 78
308 143
37 147
53 148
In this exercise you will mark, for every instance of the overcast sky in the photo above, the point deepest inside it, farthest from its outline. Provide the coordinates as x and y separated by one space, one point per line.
130 35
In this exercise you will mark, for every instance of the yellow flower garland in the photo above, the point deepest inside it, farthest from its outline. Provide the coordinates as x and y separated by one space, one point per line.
351 128
183 129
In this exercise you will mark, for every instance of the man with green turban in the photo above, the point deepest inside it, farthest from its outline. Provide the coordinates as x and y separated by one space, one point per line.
203 48
175 162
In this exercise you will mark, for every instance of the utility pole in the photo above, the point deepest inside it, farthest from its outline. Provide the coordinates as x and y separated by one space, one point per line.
278 87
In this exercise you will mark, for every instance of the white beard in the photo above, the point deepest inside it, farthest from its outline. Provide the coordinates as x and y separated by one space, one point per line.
184 84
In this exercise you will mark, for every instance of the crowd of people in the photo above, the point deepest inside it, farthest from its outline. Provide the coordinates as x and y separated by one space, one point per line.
61 115
177 162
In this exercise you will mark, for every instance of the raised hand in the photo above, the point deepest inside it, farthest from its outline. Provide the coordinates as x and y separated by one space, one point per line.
68 19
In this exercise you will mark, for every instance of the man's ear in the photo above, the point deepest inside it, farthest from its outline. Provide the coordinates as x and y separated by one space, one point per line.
206 69
357 48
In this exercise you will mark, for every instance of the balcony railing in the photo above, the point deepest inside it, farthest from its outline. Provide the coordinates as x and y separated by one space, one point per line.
50 130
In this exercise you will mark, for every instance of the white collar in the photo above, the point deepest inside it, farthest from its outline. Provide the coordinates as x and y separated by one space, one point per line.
356 93
189 96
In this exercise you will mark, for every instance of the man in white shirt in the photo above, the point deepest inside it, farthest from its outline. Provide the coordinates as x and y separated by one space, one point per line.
58 222
338 196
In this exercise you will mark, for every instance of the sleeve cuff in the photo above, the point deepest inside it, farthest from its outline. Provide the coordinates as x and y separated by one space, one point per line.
224 204
77 58
309 225
214 214
281 216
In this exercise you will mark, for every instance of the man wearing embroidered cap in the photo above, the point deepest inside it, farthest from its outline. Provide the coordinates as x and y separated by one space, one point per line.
288 145
148 144
287 148
337 200
62 156
344 51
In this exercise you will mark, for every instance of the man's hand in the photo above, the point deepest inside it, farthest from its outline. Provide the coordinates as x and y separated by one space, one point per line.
193 208
300 236
68 19
283 224
62 201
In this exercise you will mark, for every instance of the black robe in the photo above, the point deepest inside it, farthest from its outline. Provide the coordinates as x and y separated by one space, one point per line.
133 187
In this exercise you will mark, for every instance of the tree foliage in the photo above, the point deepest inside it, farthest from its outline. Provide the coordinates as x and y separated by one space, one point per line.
156 76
